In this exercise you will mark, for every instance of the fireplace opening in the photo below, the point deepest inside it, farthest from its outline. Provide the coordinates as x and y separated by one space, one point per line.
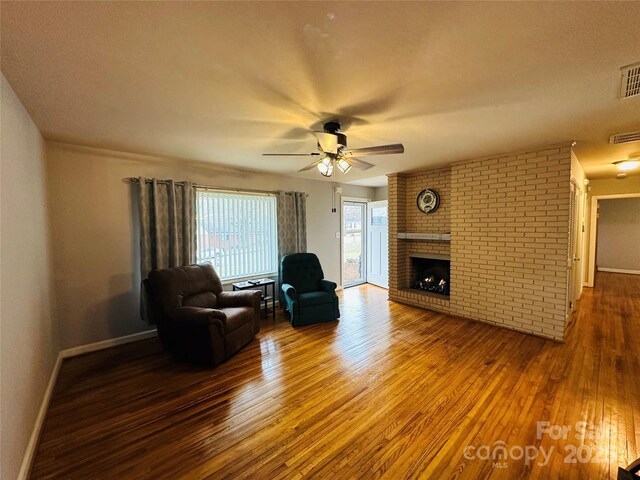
430 275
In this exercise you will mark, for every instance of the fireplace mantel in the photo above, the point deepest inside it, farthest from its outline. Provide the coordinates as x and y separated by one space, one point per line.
433 256
446 237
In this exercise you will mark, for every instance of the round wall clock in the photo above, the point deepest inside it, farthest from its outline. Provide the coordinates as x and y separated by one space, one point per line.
428 201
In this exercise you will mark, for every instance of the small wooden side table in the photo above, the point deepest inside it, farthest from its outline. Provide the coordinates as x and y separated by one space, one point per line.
262 285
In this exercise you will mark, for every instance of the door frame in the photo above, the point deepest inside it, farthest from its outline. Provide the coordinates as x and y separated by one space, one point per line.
593 231
571 254
365 201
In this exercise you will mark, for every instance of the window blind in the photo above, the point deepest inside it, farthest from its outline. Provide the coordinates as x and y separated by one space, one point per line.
236 233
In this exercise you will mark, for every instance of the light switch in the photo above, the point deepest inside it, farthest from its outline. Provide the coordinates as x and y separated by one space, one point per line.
337 234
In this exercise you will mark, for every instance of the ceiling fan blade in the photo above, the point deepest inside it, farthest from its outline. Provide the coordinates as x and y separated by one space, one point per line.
310 166
328 141
379 150
289 154
359 164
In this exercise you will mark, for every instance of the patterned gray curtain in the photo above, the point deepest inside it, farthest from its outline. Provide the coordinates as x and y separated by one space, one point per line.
292 227
167 224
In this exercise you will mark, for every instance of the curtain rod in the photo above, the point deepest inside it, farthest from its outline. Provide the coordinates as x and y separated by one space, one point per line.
209 187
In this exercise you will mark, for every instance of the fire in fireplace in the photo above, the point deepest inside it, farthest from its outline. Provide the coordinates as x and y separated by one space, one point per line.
430 274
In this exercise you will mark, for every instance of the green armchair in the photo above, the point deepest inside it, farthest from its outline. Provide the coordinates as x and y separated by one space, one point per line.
309 298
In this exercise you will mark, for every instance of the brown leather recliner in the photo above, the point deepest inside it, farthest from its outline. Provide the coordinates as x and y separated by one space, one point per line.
198 321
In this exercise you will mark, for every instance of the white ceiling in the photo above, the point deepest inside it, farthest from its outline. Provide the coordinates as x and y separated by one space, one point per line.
224 82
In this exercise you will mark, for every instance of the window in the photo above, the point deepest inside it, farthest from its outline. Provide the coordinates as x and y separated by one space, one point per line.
236 233
379 216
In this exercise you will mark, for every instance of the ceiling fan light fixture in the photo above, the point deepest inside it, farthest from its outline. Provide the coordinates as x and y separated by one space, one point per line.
325 167
343 165
332 152
627 165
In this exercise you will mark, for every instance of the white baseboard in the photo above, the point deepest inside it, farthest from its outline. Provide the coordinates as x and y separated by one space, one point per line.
619 270
112 342
30 452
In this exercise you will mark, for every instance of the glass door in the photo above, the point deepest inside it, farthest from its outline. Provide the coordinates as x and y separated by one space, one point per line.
354 216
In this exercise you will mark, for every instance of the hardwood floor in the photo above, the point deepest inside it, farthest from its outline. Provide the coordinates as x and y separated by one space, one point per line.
390 391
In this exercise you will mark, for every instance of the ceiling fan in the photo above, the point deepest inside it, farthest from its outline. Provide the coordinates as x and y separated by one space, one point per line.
333 152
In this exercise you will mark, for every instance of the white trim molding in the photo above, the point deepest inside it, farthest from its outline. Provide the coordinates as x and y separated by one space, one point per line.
619 270
112 342
29 454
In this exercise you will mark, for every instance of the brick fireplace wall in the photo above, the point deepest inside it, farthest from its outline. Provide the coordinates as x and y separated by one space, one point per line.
509 220
406 188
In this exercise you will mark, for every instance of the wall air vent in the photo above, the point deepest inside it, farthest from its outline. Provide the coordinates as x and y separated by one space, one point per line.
625 138
630 86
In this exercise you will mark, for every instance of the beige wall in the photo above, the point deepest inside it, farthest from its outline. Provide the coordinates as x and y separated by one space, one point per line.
509 219
96 254
614 186
29 339
619 234
380 193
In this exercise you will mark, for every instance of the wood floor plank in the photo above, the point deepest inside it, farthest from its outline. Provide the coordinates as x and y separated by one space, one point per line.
390 391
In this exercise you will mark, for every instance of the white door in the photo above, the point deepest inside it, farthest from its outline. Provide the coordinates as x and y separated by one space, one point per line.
378 244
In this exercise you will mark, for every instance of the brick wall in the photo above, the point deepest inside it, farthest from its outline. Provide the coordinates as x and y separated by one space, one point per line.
509 218
413 220
397 248
438 221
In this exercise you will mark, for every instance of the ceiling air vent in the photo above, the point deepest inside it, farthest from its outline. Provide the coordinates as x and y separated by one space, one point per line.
625 138
630 86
